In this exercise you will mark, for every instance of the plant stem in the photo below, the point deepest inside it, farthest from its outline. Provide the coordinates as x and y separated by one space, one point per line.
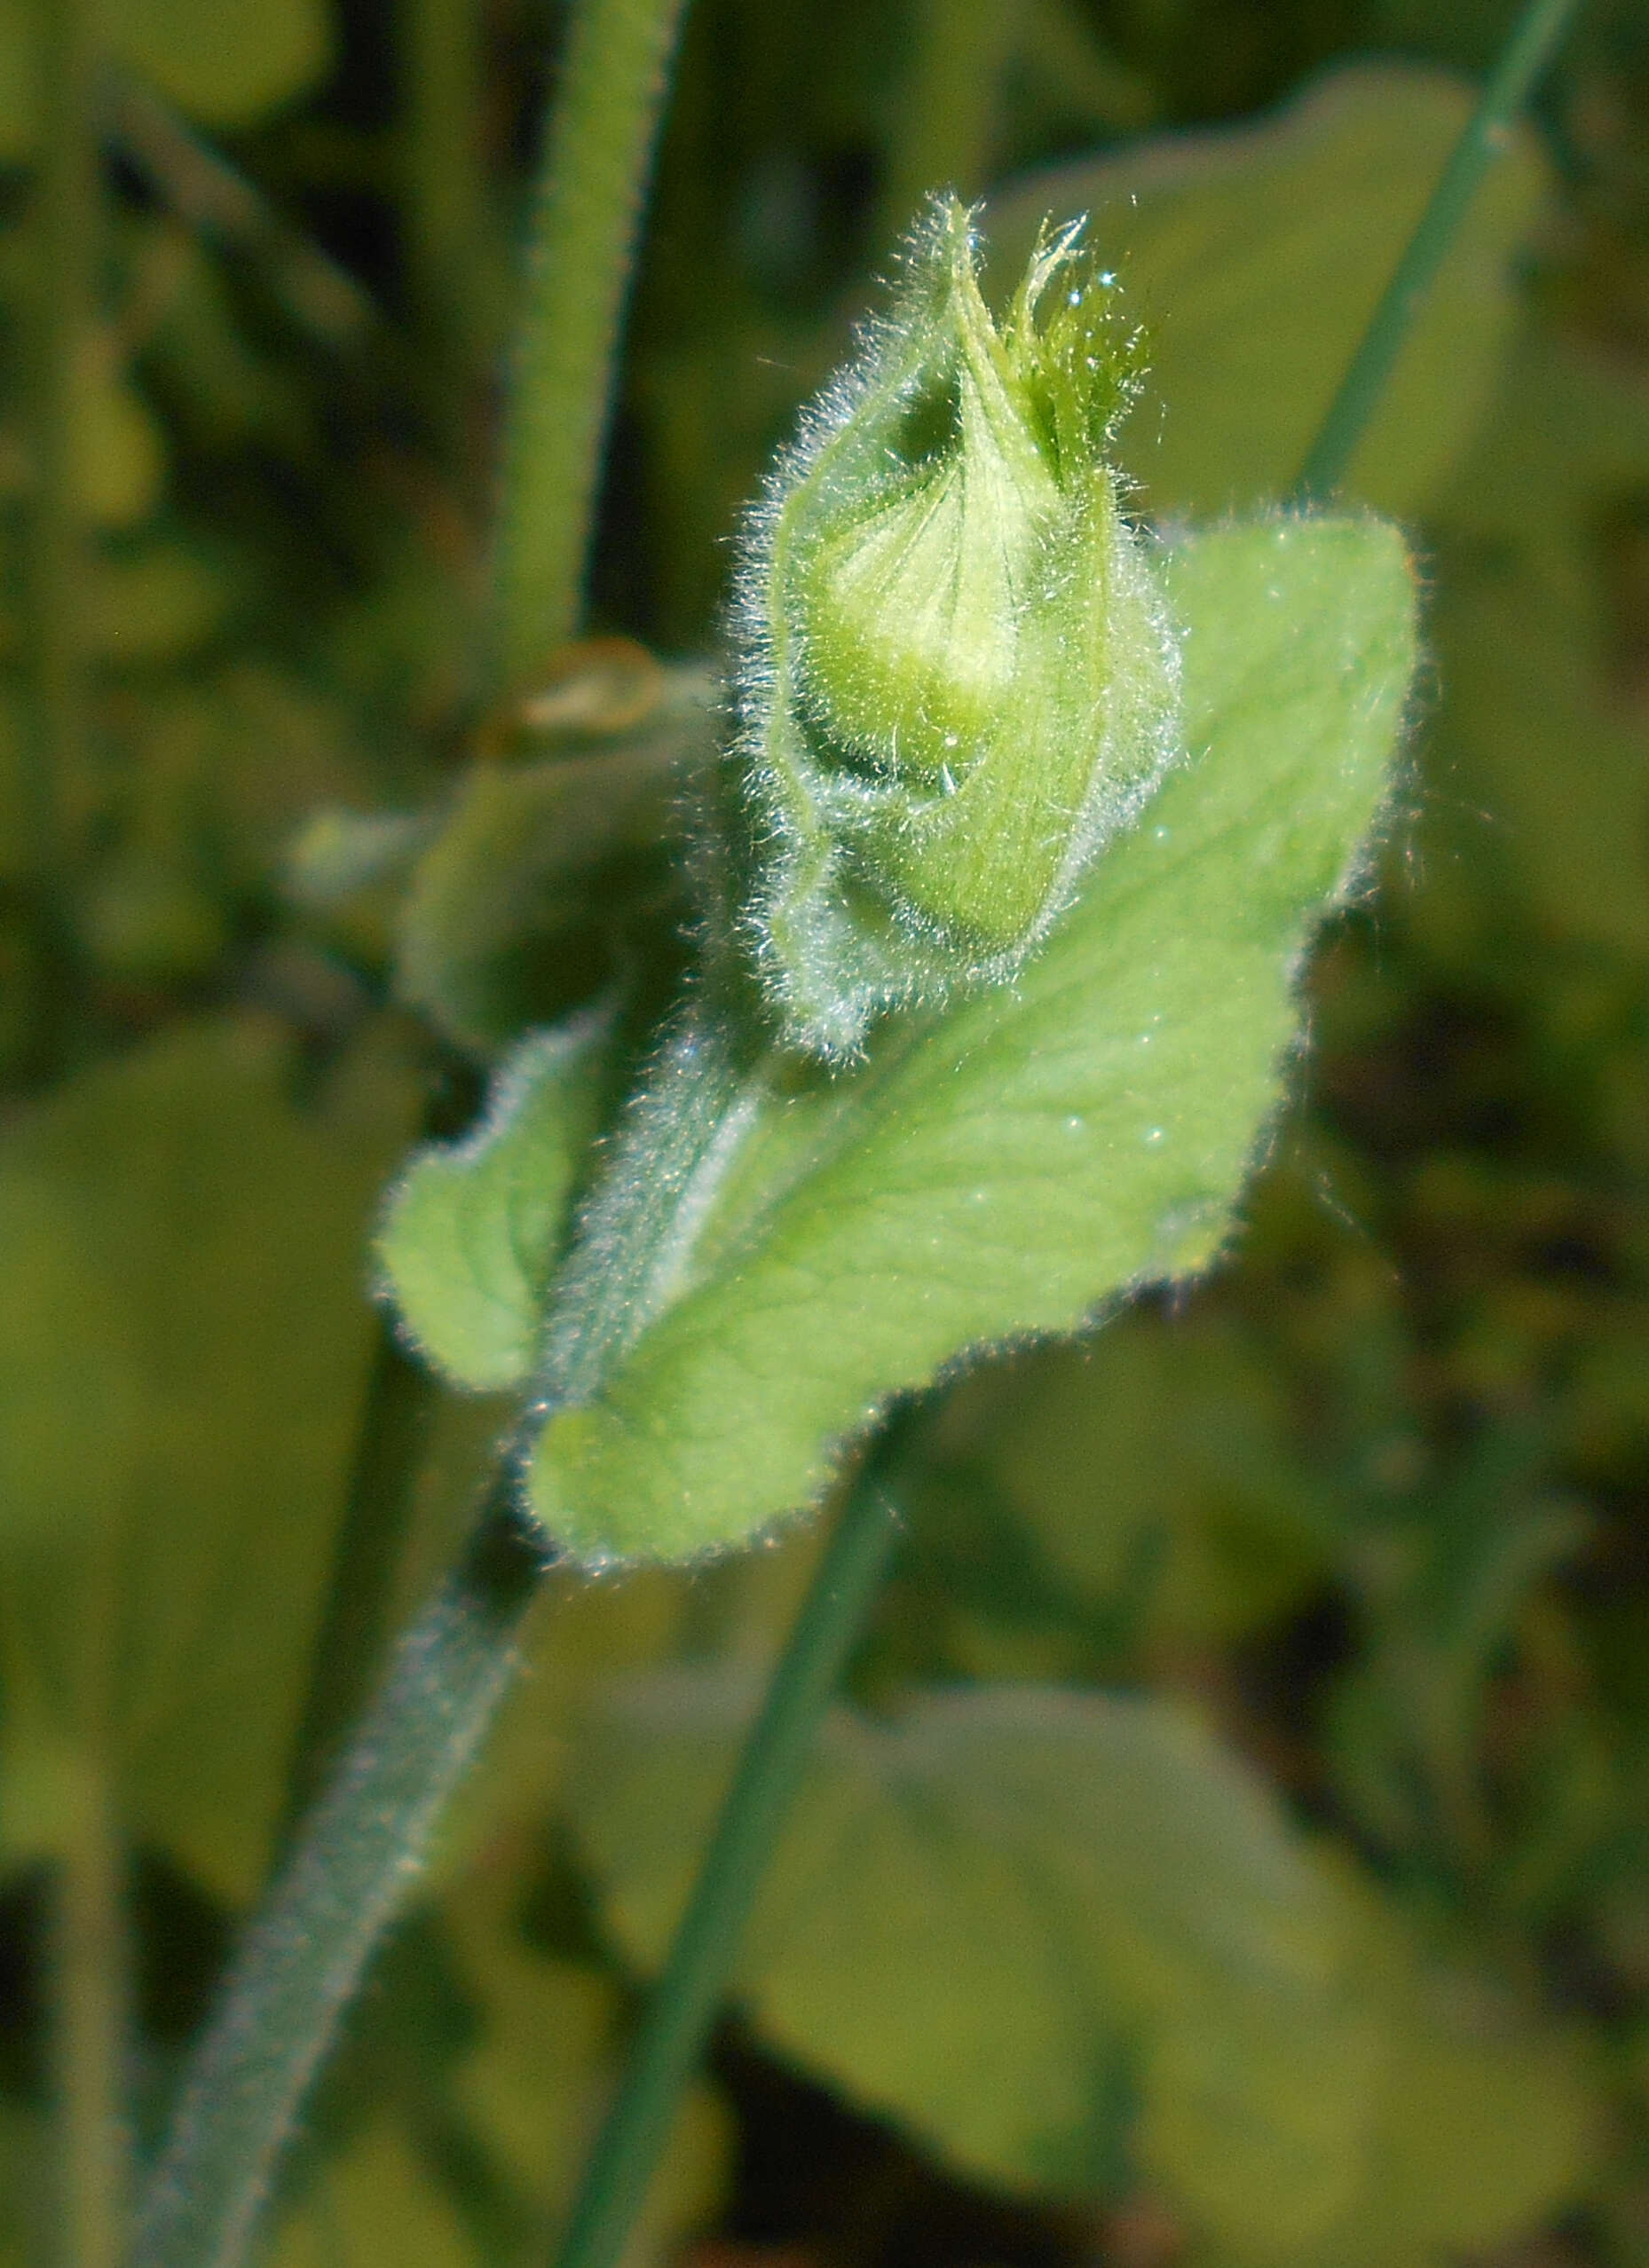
396 1413
351 1870
1541 27
589 205
684 2001
89 1968
64 288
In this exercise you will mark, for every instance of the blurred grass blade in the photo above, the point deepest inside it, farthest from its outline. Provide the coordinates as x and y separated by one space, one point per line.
619 2169
1526 54
220 204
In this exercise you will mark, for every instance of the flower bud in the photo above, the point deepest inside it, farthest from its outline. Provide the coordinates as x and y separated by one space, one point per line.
958 678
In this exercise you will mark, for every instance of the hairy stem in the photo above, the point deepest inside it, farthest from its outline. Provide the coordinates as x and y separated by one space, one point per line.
348 1874
597 161
400 1403
64 282
684 2002
1531 46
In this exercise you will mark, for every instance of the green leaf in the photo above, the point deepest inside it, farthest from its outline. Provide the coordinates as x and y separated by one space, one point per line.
538 2082
470 1235
181 1347
520 908
1006 1165
1254 254
154 603
1135 1923
121 450
375 2205
1161 1977
1485 2122
1154 1457
1523 642
227 62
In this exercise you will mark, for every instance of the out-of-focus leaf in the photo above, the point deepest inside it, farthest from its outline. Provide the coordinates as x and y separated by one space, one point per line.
226 62
536 2086
143 919
25 2152
1542 763
1156 1447
121 459
374 2206
1132 1918
1485 2122
1054 1933
1255 256
154 603
1003 1167
20 82
340 852
470 1236
185 1334
525 903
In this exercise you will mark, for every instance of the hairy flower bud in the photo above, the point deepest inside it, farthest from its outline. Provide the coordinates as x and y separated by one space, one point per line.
958 679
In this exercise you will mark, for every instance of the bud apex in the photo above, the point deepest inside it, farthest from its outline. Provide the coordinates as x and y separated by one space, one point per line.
959 679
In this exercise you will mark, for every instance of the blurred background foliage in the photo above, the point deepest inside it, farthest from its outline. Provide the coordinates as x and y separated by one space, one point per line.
1237 1849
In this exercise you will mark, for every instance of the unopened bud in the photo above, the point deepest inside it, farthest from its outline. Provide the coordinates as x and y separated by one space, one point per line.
958 679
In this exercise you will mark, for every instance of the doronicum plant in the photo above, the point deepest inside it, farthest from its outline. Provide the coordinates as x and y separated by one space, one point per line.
1019 822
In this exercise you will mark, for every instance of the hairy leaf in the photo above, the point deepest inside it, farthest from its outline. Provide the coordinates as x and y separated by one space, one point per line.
471 1233
1254 254
1006 1165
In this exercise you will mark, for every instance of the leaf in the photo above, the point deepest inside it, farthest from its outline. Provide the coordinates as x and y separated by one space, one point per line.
153 603
1486 2121
1005 1167
1254 254
120 462
537 2085
1133 1922
527 902
1067 1939
1158 1447
1522 640
227 62
470 1234
374 2206
182 1345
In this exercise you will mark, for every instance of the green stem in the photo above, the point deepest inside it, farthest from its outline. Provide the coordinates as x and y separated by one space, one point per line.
684 2002
400 1403
64 282
90 1970
348 1875
1541 27
597 162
